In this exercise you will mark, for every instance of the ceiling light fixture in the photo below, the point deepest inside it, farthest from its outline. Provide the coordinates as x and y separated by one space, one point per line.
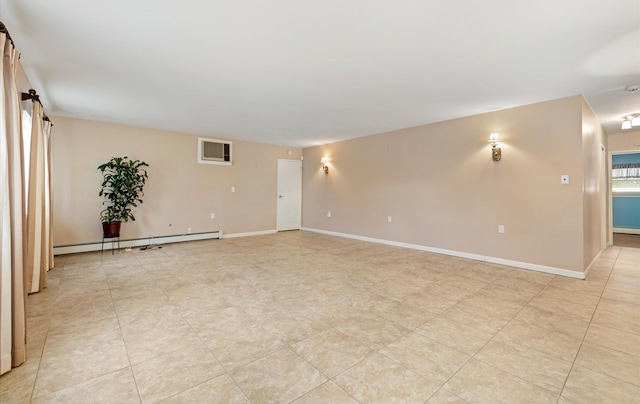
631 120
632 89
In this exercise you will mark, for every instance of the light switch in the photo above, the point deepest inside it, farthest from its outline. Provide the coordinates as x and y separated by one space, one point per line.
564 179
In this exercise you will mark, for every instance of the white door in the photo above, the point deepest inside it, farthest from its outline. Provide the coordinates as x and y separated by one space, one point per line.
289 195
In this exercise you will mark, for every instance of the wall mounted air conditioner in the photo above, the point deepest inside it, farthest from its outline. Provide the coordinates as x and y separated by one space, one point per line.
212 151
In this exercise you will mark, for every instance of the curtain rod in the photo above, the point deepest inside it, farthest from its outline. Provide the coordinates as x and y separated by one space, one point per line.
33 96
4 30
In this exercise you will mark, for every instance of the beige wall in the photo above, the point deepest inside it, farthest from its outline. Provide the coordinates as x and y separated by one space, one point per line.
594 184
179 194
442 189
437 181
624 142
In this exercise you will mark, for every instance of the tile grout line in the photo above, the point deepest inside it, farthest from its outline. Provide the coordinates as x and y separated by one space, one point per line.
133 376
492 338
470 356
226 371
35 380
197 336
573 363
123 342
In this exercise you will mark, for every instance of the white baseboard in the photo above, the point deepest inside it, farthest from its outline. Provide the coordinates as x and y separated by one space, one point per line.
138 242
590 267
626 230
477 257
248 234
539 268
398 244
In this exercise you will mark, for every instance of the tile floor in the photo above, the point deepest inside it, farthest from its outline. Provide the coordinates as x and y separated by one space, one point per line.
308 318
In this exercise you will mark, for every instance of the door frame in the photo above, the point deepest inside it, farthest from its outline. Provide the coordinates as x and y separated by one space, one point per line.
610 189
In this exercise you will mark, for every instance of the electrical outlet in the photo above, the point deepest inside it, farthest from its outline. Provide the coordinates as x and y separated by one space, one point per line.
189 230
233 189
388 219
329 214
213 216
500 229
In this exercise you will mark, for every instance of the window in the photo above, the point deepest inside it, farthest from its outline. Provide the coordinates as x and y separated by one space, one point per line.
211 151
625 174
625 185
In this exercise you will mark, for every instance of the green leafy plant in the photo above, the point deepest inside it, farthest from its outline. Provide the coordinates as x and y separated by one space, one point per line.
122 185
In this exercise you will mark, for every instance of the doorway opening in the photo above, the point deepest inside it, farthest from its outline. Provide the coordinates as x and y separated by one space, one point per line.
625 199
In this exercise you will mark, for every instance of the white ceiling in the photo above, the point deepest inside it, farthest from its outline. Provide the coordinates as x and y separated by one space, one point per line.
307 72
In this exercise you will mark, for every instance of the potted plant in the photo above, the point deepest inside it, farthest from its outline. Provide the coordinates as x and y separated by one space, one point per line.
122 183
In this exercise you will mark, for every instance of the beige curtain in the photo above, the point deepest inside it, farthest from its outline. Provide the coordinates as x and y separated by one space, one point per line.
12 215
48 192
38 219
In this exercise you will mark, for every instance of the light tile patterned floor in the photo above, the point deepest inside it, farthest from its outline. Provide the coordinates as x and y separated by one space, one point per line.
308 318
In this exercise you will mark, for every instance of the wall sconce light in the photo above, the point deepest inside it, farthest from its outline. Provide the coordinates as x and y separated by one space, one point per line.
325 166
496 151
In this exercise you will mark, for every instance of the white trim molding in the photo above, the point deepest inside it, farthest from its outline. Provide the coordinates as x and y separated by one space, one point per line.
590 267
626 230
524 265
249 234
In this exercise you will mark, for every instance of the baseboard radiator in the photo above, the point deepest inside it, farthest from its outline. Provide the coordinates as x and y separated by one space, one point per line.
135 242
